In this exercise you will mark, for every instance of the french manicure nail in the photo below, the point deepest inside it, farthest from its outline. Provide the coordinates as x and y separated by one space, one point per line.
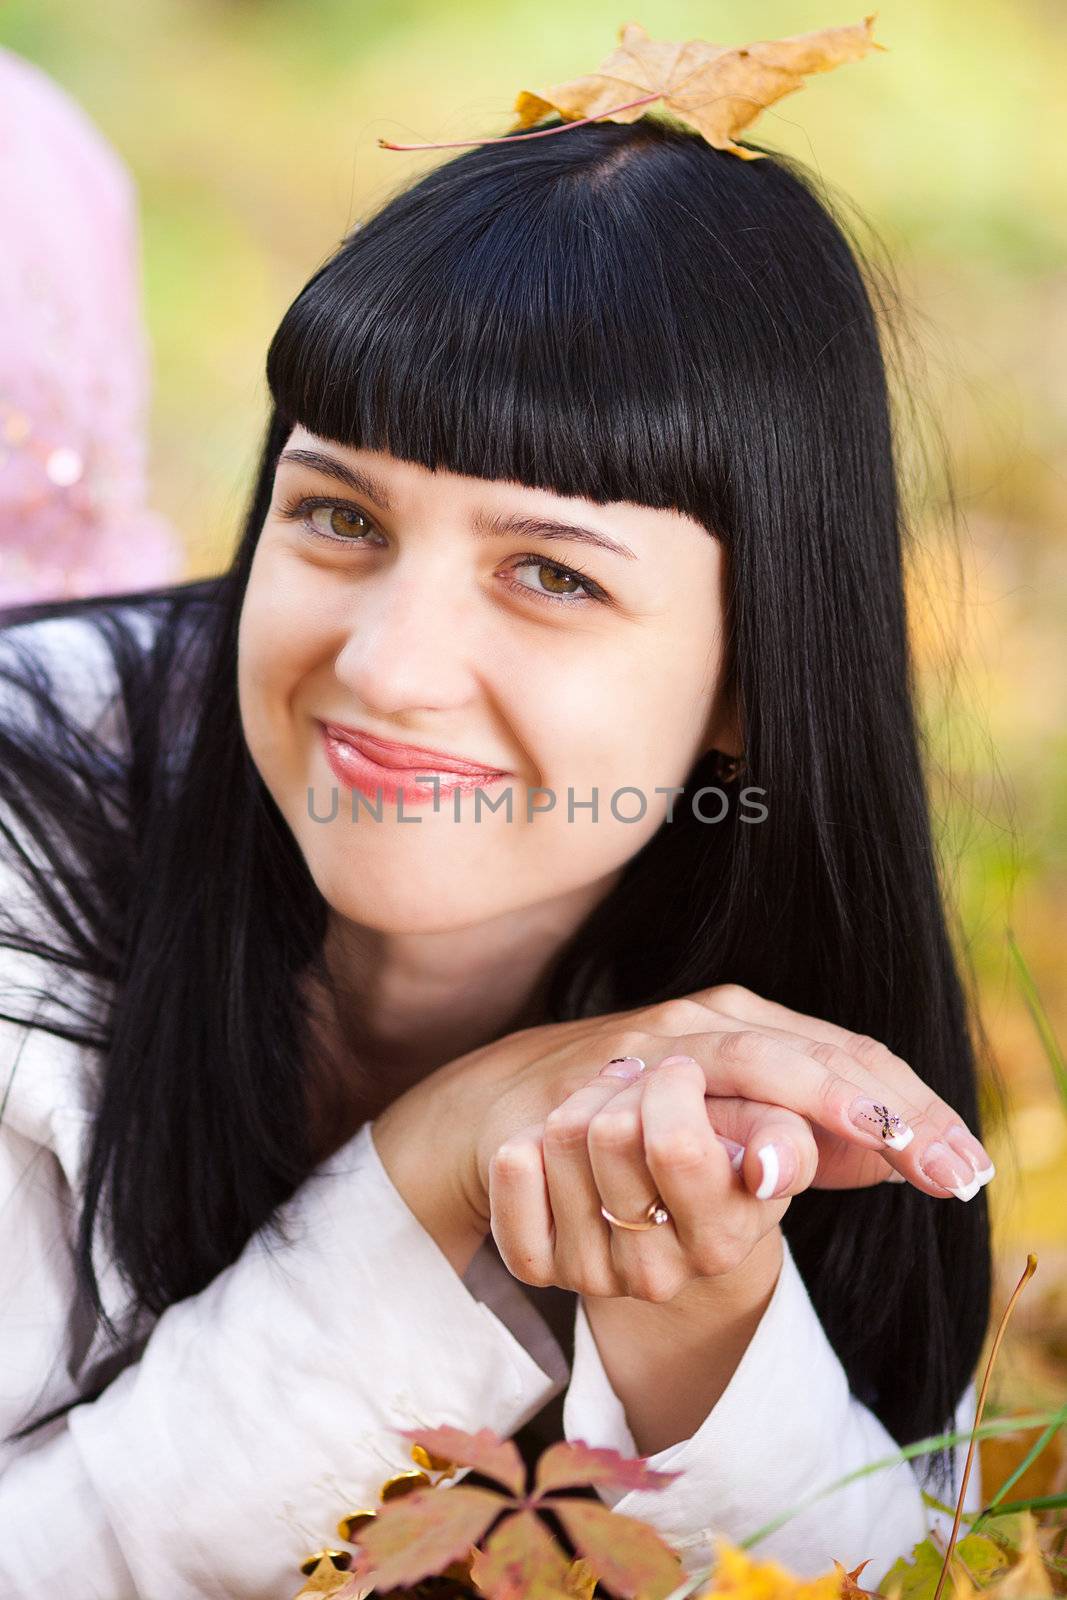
778 1164
941 1164
873 1117
896 1177
622 1067
965 1144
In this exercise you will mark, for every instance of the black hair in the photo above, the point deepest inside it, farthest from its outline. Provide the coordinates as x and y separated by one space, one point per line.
619 312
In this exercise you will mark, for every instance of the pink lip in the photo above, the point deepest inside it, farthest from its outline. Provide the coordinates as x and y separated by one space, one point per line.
407 757
357 769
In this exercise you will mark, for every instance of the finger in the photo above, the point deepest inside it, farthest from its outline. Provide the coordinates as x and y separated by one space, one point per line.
931 1131
781 1156
716 1221
917 1100
581 1238
830 1088
656 1263
520 1215
738 1122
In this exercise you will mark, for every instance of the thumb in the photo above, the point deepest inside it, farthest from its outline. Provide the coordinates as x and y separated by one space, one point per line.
780 1157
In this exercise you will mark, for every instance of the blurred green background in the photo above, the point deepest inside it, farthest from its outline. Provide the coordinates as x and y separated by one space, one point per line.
250 127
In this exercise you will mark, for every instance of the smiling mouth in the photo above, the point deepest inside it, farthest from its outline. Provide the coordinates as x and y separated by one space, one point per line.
407 758
356 769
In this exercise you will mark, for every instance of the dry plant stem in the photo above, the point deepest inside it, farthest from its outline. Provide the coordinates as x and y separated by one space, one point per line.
509 138
1028 1272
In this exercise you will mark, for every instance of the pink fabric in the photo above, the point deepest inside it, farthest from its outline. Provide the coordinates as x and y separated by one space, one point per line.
73 357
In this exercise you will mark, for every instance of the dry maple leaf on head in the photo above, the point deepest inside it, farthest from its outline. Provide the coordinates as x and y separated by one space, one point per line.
716 89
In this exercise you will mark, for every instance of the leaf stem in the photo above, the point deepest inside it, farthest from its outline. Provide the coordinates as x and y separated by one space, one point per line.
510 138
1028 1272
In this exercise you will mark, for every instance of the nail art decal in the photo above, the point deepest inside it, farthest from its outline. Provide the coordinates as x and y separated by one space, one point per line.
879 1119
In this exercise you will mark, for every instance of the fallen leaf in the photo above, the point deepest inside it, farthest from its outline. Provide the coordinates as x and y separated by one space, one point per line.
521 1561
849 1587
581 1579
916 1577
573 1463
738 1573
630 1557
421 1533
716 89
1028 1578
485 1451
326 1579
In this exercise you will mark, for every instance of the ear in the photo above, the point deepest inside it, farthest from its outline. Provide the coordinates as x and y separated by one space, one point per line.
722 730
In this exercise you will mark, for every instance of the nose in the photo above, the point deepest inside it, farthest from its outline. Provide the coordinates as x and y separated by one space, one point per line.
413 641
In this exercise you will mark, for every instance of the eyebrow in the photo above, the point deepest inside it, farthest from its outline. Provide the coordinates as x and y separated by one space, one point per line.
486 524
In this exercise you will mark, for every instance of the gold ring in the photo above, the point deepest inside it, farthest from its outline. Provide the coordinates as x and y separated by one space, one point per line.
655 1214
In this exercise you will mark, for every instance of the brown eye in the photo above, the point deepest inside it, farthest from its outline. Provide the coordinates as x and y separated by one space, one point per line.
557 583
343 522
556 579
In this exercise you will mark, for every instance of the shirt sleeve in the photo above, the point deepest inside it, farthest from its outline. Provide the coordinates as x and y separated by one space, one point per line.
786 1422
264 1407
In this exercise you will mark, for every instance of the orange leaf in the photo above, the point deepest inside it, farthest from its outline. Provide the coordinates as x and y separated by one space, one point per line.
421 1533
521 1561
717 89
629 1556
850 1588
485 1451
568 1465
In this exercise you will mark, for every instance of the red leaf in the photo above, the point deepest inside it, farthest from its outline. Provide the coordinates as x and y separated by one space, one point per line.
629 1556
422 1532
567 1465
521 1561
485 1451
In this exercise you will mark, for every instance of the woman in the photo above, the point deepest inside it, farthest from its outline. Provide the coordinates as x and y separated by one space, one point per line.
579 477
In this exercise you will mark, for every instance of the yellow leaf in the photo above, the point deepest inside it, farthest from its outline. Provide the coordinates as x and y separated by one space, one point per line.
717 89
581 1579
1029 1577
737 1573
326 1579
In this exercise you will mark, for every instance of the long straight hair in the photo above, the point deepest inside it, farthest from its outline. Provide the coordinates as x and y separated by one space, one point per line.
621 312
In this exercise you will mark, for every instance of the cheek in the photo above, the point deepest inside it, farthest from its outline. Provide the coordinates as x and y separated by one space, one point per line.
277 649
634 722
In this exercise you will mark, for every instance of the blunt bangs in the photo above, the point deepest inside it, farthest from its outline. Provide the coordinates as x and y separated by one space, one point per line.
577 313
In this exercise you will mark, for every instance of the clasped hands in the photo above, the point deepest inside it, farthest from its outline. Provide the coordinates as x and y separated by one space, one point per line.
743 1103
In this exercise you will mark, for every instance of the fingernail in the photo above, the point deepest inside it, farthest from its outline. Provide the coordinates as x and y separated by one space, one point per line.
778 1164
622 1067
735 1151
674 1061
875 1118
942 1165
965 1144
896 1177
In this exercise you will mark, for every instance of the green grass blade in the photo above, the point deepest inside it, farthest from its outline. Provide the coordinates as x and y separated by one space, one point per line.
921 1447
1030 1457
997 1425
1049 1042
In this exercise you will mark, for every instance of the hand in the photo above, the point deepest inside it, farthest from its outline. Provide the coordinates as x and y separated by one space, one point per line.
870 1113
621 1147
751 1050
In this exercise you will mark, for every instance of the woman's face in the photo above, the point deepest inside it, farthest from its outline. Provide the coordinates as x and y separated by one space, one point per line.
435 610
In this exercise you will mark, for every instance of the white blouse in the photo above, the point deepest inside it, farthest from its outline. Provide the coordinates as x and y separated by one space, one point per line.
263 1408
